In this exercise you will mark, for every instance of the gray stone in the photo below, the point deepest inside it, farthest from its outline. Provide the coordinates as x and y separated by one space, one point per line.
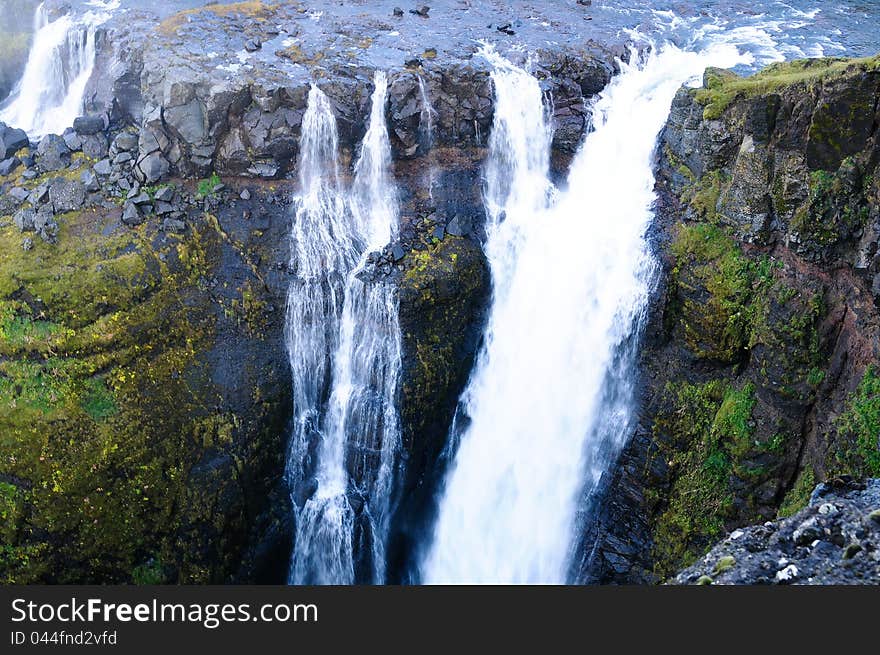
11 141
9 165
73 140
131 215
397 252
95 146
39 195
90 180
66 195
457 227
89 125
30 175
52 153
439 232
173 225
165 194
162 208
263 169
45 225
20 194
27 244
103 167
126 142
24 219
153 168
142 199
122 158
245 195
252 45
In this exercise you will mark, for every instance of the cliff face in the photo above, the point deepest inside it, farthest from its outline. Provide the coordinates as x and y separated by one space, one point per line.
759 375
144 378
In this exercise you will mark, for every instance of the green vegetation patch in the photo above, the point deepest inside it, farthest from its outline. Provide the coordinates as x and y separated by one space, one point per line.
857 449
723 87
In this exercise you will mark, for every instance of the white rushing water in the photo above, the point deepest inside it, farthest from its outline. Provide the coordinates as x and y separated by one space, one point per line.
50 93
345 347
572 272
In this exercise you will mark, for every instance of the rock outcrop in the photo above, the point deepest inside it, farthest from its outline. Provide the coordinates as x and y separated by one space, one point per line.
835 540
760 369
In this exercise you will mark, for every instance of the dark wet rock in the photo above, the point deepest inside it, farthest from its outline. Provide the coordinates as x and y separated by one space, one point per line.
459 226
421 10
252 45
131 215
802 549
11 141
88 125
66 195
53 153
397 11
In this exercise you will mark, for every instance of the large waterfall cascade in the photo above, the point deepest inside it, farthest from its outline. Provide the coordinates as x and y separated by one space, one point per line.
345 348
572 272
50 93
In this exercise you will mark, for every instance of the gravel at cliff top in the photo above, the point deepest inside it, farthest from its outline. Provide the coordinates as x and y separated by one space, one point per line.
835 540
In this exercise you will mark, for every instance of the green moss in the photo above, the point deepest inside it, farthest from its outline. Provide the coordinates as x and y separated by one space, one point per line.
206 186
702 194
723 88
799 495
716 280
723 564
836 208
102 399
857 450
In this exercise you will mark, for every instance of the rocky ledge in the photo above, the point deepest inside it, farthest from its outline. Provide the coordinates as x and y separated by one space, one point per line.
834 540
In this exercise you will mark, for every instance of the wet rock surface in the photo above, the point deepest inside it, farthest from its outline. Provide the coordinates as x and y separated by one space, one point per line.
835 540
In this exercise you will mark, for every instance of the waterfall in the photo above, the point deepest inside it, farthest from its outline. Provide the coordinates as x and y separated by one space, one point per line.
345 346
427 115
572 272
50 93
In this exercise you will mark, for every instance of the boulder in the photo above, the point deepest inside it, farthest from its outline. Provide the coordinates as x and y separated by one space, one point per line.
131 215
88 125
90 181
11 141
52 153
66 195
9 165
24 219
153 168
95 146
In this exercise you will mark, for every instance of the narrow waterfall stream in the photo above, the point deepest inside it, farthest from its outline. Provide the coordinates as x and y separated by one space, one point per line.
50 93
572 273
344 345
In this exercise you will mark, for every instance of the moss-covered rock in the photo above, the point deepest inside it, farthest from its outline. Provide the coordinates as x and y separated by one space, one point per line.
443 298
130 453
